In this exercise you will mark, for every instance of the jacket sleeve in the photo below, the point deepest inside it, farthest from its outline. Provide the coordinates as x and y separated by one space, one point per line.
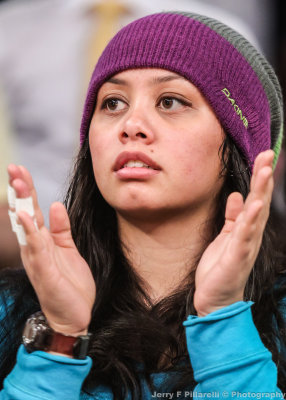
228 357
41 375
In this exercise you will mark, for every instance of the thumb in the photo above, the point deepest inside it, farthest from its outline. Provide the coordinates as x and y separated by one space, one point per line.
60 225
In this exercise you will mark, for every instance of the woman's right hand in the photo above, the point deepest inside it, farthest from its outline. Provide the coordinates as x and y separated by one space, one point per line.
60 276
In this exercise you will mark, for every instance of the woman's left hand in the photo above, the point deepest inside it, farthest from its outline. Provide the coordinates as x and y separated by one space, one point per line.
225 266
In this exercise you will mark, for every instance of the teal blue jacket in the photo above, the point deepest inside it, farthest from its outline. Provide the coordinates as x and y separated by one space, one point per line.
227 355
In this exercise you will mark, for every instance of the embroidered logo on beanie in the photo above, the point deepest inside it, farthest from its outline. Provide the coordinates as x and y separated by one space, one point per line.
236 107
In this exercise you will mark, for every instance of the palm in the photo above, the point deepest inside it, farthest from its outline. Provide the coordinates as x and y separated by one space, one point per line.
60 276
215 272
225 266
64 283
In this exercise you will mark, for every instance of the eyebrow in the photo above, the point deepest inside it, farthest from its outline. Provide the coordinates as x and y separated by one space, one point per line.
167 78
155 80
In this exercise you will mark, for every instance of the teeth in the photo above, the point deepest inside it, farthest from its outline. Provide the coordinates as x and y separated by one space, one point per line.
135 164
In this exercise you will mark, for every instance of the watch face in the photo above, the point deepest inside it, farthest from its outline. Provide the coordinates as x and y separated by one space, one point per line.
37 335
29 333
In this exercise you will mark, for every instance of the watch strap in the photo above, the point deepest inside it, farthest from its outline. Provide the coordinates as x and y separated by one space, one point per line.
76 347
62 344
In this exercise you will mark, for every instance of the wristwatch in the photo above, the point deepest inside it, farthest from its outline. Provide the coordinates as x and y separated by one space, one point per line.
38 335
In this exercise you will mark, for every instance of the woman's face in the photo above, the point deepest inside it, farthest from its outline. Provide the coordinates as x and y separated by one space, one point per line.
154 142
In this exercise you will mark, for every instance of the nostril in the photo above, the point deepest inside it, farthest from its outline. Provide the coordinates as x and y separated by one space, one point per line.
142 135
125 134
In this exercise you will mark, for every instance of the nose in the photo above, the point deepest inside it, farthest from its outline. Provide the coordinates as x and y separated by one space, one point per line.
137 127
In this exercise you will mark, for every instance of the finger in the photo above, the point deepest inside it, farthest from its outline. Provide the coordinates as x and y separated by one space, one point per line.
13 172
247 230
60 225
251 222
263 159
34 242
257 204
17 173
266 197
22 201
234 206
262 187
263 182
21 188
29 180
37 250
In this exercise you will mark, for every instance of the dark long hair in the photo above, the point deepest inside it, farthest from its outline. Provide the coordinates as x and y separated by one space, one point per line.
131 337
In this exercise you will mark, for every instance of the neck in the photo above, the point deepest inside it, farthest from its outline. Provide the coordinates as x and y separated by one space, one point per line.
163 254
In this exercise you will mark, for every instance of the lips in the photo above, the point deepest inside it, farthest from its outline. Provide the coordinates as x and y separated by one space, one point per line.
126 156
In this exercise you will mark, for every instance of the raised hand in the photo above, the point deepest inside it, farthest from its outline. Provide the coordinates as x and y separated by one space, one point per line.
225 266
60 276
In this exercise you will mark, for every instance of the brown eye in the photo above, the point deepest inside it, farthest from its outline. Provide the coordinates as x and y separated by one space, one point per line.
167 102
172 103
113 104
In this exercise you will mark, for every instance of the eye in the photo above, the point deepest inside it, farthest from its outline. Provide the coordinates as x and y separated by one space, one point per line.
172 103
113 104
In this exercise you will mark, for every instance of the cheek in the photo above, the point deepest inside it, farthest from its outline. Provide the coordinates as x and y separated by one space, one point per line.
98 142
100 147
197 159
192 152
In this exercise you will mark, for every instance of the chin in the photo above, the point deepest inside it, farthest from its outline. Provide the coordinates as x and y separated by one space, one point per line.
147 214
135 203
136 210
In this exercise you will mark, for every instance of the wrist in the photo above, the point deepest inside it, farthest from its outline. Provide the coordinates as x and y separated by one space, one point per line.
68 331
206 310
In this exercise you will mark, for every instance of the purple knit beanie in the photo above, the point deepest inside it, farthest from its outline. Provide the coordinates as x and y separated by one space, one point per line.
237 81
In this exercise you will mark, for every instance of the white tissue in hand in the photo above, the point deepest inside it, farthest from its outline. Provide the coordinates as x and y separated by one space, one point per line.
17 228
11 195
13 219
25 205
21 236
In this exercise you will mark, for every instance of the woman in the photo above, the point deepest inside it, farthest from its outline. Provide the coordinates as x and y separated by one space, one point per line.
165 230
